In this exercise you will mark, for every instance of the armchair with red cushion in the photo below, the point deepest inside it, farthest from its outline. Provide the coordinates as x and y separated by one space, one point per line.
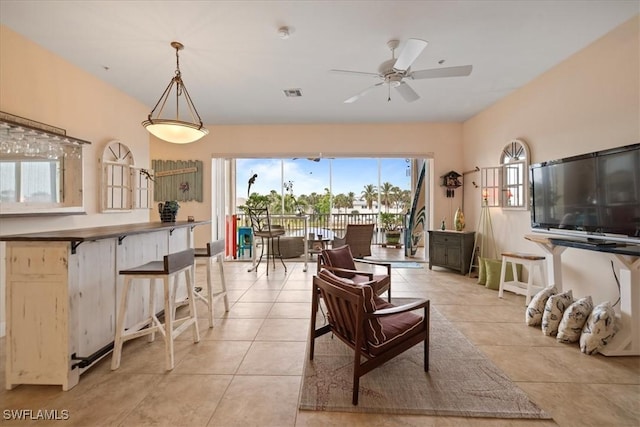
340 263
374 329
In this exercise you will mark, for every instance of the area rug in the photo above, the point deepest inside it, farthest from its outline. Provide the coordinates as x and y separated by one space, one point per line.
400 264
461 381
406 264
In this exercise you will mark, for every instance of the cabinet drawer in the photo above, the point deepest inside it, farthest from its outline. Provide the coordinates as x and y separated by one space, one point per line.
443 239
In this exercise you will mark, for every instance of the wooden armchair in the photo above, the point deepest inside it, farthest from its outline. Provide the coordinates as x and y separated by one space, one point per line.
341 263
373 328
358 237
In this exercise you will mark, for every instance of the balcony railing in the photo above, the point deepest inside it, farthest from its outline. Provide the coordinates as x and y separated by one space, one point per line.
328 225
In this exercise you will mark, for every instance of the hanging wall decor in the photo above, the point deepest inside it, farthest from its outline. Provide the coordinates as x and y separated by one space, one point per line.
451 180
179 180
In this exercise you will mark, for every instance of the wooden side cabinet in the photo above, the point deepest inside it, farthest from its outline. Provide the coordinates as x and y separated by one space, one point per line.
451 249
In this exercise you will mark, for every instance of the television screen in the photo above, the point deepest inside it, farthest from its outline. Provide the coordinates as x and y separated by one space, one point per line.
596 193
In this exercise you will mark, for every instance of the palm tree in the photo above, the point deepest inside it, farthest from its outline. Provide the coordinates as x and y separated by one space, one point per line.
351 197
341 201
404 200
369 194
386 195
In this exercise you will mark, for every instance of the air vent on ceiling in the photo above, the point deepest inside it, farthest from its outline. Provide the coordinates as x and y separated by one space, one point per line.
292 93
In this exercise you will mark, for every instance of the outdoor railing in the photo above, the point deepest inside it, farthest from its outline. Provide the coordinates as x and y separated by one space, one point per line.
327 225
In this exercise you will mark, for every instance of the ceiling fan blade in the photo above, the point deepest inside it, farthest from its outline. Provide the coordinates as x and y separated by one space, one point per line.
355 73
407 92
363 93
434 73
412 49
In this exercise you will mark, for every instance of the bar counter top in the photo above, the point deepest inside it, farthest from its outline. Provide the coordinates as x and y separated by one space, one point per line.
97 233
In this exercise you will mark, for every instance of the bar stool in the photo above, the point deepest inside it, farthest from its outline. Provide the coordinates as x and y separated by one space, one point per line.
269 236
214 249
516 286
169 268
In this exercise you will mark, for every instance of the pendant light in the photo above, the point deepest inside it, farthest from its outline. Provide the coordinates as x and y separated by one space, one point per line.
176 130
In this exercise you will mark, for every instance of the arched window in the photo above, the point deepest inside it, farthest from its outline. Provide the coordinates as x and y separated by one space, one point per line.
514 161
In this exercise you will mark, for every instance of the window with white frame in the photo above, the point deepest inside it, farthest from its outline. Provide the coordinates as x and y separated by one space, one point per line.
514 161
124 186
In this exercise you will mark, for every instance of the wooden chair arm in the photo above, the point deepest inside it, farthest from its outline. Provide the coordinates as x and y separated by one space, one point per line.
399 309
345 270
380 263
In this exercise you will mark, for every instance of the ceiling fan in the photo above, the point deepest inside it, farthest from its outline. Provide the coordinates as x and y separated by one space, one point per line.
394 71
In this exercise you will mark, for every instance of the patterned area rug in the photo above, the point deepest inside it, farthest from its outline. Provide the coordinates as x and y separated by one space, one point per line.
461 381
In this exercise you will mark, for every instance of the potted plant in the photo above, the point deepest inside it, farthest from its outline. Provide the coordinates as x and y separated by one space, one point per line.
168 210
391 225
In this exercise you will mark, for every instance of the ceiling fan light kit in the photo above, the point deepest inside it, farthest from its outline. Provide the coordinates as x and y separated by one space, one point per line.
175 130
394 71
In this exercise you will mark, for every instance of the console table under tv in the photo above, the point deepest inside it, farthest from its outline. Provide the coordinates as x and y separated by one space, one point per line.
626 342
62 288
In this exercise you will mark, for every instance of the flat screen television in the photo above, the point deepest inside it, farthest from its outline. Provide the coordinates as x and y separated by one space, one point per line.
595 195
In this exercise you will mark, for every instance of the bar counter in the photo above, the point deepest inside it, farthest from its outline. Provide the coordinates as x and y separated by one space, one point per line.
97 233
61 294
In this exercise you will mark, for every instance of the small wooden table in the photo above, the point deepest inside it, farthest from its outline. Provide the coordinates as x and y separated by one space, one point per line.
318 245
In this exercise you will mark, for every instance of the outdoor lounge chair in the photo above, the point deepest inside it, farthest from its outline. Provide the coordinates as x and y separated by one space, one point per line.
358 237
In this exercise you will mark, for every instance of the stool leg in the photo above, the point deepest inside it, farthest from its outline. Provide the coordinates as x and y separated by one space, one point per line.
168 323
210 291
193 314
280 256
261 254
152 308
514 272
117 344
529 285
223 282
503 270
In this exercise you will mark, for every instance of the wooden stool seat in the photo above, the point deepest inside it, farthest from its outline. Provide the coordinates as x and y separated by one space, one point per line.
530 261
214 249
169 268
522 255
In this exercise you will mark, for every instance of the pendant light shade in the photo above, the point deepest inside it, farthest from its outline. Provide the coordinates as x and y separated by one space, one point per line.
175 130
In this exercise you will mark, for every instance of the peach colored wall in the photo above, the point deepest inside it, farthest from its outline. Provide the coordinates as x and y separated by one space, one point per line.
440 141
589 102
41 86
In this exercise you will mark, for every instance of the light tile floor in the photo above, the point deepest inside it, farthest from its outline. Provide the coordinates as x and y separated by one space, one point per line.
246 371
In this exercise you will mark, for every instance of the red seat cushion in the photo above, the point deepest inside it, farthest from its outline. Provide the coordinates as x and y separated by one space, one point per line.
395 328
340 258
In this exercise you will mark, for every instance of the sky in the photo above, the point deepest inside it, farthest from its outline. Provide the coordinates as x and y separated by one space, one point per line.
308 176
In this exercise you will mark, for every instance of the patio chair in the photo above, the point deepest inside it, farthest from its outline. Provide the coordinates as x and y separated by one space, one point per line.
268 234
358 237
341 263
374 329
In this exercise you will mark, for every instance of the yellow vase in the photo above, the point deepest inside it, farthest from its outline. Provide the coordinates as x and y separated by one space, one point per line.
458 220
